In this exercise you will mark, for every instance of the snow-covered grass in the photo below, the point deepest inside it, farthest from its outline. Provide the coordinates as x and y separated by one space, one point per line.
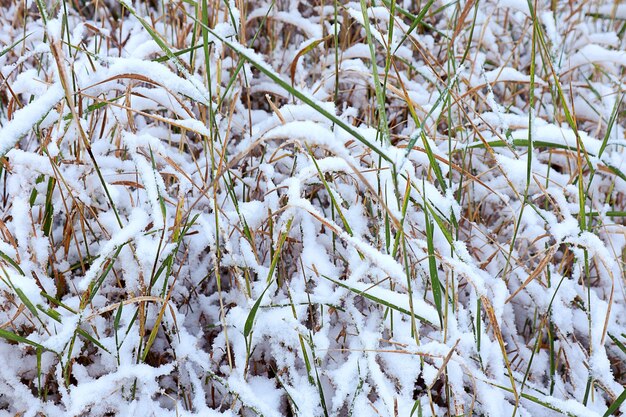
312 208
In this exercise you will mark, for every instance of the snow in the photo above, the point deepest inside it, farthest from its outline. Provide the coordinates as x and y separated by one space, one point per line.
596 54
174 208
27 117
136 223
313 31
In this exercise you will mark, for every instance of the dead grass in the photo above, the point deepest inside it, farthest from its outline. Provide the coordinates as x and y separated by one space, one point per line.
189 225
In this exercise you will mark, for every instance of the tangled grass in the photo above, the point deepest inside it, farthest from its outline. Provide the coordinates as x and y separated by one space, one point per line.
312 208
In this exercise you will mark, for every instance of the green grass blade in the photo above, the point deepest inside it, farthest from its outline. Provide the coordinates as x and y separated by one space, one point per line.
616 404
259 64
378 300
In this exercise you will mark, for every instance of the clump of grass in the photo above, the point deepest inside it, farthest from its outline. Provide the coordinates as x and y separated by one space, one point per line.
334 208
